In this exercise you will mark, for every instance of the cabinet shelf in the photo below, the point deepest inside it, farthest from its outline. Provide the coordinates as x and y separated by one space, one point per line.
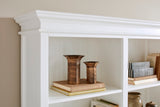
143 86
55 97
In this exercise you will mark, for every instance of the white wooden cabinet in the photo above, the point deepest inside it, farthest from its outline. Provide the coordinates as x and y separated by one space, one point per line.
47 36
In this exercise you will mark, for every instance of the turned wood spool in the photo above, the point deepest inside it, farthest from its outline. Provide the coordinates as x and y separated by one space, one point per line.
91 71
74 68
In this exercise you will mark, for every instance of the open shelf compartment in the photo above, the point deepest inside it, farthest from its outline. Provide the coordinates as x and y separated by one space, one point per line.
109 69
138 51
149 94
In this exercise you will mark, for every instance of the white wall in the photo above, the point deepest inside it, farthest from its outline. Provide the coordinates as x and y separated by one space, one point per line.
9 63
138 9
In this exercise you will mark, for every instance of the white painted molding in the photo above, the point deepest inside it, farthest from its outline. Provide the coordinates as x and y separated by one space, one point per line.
58 22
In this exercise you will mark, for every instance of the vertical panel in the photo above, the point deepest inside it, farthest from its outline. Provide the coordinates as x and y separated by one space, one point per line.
30 71
44 69
34 70
23 68
125 72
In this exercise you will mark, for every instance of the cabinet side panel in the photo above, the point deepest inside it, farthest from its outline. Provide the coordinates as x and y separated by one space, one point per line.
31 73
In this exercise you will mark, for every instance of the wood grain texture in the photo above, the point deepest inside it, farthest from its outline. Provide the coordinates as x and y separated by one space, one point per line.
73 68
91 71
157 69
79 87
151 104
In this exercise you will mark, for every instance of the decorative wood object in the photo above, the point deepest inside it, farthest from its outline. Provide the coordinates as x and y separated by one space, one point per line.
157 69
83 86
77 93
134 99
151 104
73 68
91 71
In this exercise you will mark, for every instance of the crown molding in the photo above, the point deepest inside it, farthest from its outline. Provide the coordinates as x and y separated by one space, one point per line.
59 22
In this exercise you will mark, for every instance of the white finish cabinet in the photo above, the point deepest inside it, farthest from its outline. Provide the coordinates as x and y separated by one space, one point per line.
47 36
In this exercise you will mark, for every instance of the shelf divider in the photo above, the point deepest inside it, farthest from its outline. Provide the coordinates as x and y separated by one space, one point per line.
125 71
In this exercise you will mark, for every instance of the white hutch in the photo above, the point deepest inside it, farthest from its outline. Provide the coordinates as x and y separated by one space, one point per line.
47 36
